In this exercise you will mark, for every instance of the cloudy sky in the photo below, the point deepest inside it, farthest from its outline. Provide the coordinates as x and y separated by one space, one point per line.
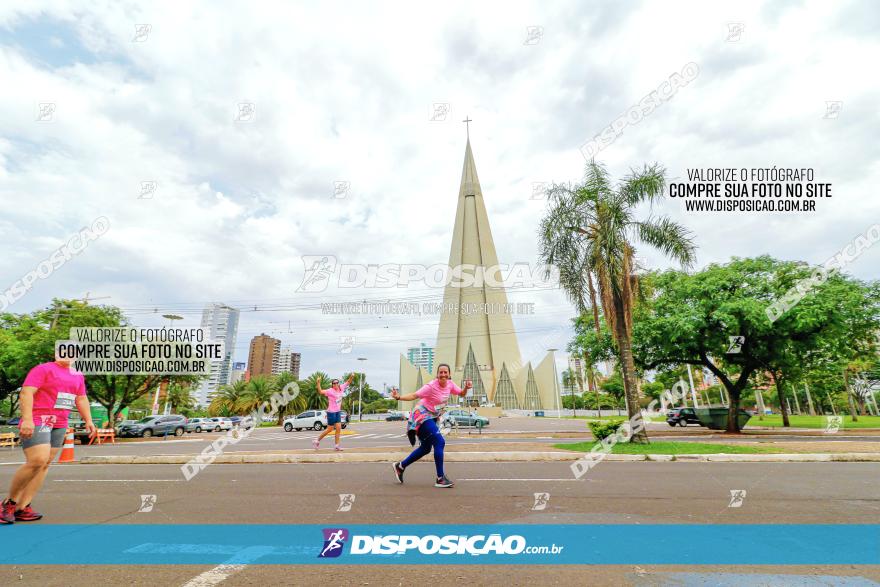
347 92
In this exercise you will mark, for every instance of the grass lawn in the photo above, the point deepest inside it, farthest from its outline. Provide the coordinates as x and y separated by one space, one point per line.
671 448
775 421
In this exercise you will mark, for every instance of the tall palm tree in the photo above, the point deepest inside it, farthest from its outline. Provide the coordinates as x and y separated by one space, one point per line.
589 232
294 406
225 401
258 390
181 398
309 390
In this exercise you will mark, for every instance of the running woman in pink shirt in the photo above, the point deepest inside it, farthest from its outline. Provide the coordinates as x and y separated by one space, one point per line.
423 419
48 393
334 398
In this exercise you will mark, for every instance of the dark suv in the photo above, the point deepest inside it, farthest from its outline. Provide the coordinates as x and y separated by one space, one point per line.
155 426
682 417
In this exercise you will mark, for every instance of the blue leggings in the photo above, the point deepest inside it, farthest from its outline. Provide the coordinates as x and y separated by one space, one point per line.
429 437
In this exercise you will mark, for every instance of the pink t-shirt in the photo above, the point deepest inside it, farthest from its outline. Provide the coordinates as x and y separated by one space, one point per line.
56 393
431 395
334 396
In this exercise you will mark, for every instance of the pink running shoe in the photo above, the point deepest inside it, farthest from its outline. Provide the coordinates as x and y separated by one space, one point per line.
316 443
339 448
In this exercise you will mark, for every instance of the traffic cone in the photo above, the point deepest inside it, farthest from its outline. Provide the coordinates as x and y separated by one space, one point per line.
67 450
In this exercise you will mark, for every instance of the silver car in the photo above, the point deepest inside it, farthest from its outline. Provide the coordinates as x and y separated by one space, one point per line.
200 425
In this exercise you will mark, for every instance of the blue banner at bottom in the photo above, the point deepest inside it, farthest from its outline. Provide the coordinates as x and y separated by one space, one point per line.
560 544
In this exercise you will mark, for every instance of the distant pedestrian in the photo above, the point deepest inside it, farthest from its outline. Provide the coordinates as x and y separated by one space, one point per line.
334 397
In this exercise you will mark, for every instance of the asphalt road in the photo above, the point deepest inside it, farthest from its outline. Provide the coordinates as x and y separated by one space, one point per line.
613 493
376 434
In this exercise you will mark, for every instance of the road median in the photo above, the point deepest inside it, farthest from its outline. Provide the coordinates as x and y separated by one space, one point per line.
472 457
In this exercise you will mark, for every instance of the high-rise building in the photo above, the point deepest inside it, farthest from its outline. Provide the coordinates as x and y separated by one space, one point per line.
421 356
264 356
221 325
482 346
238 371
288 361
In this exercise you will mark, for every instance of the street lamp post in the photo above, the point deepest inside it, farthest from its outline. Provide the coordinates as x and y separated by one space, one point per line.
361 394
555 383
171 318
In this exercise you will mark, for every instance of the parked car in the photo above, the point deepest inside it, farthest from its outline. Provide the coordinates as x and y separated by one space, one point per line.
314 419
458 417
242 421
682 417
199 425
345 417
155 426
221 424
14 421
394 415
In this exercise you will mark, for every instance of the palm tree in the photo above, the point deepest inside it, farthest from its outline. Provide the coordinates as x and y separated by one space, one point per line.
225 401
308 389
296 405
181 398
589 231
257 391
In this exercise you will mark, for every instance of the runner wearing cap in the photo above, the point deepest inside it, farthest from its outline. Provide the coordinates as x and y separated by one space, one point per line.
48 393
424 420
334 397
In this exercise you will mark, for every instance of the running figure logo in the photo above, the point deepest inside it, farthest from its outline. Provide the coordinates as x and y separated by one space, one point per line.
147 503
832 424
541 501
737 497
736 343
334 540
346 500
319 268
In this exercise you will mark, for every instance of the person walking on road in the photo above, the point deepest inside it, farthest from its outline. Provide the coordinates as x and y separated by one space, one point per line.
424 421
48 393
334 397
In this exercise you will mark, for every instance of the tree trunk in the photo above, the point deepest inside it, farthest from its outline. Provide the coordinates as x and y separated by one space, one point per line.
780 394
759 395
809 399
733 411
849 397
628 369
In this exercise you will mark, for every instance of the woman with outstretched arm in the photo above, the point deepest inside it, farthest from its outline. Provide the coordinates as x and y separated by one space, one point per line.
424 420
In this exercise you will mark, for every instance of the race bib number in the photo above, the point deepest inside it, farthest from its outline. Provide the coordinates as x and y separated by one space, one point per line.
65 401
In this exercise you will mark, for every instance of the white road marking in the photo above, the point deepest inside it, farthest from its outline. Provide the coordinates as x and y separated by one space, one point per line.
214 576
508 479
117 480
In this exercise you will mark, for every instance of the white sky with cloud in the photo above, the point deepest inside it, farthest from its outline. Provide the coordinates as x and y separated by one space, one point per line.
344 92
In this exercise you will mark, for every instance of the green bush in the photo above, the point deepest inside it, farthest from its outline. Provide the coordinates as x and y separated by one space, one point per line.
602 429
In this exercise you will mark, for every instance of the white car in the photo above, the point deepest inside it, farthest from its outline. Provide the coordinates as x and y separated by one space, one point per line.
314 419
220 424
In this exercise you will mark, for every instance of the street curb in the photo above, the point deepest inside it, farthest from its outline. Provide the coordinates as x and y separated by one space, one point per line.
479 457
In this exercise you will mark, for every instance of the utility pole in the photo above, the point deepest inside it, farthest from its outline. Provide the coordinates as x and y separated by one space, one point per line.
361 394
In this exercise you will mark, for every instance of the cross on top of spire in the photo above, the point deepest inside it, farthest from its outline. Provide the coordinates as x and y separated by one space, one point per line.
467 120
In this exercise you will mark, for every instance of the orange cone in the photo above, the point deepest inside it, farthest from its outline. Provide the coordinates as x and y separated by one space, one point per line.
67 450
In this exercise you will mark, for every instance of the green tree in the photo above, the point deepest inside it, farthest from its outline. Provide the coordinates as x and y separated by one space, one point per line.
226 400
693 317
590 230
